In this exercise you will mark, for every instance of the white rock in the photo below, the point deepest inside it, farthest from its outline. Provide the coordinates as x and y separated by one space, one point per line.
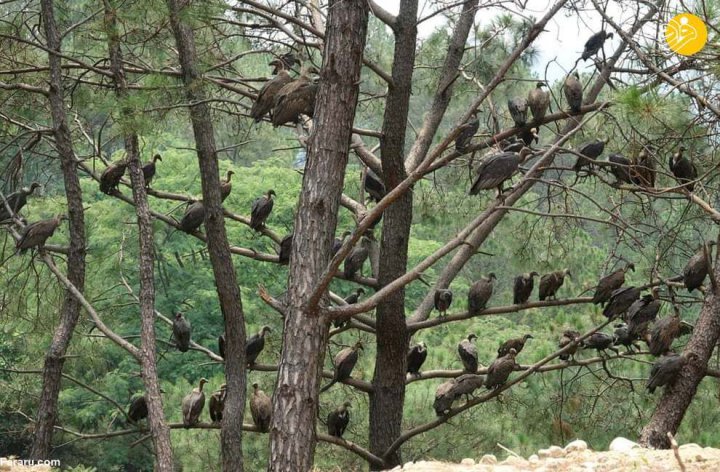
467 461
515 461
488 459
577 445
553 451
534 458
622 445
689 446
543 453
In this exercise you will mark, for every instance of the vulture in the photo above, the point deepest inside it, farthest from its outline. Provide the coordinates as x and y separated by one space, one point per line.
593 45
138 409
285 248
516 343
110 178
350 300
684 171
663 333
16 201
573 92
181 332
35 234
260 409
255 344
338 242
600 342
468 354
356 259
698 267
466 384
226 186
468 131
294 99
261 208
444 397
288 60
344 361
592 150
551 283
528 135
148 170
641 313
494 170
338 420
538 100
622 336
643 172
443 299
193 217
569 336
500 370
518 108
266 96
221 345
373 185
665 370
620 300
620 168
217 404
479 294
512 144
192 405
610 283
416 358
523 288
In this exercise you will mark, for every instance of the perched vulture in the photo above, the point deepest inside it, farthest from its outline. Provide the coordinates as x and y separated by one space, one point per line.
138 409
518 108
591 150
684 171
643 172
261 208
512 144
551 283
338 420
593 45
697 267
466 384
480 293
573 92
444 397
620 300
610 283
641 313
494 170
35 234
266 96
110 178
569 336
344 362
192 405
663 333
416 358
351 299
523 287
294 99
16 201
620 167
468 131
226 186
181 332
538 100
338 242
255 344
221 345
373 185
356 259
443 299
260 409
516 343
500 370
217 404
528 135
600 342
289 60
285 248
468 354
149 169
665 370
193 217
622 336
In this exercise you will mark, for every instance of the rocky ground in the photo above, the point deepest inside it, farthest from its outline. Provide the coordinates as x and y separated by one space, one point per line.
623 455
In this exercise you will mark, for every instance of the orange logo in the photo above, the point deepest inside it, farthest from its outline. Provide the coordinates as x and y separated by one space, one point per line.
686 34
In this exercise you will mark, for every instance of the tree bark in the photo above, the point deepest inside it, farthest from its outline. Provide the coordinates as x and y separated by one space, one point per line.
218 246
159 430
388 395
55 358
295 402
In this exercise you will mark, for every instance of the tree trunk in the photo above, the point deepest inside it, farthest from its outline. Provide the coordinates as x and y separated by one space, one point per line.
218 246
675 401
295 402
55 357
388 395
159 430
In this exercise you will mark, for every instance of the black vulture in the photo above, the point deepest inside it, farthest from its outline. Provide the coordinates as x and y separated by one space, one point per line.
338 420
181 332
573 92
149 170
468 353
37 233
466 384
663 333
665 370
466 135
261 208
600 342
620 300
683 169
494 170
260 409
373 185
193 217
592 150
620 167
480 293
255 344
643 312
643 172
356 259
697 267
518 108
516 343
593 45
528 135
523 287
500 370
110 178
538 100
622 336
416 358
610 283
226 186
16 201
569 336
216 405
551 283
138 409
344 362
351 299
289 60
265 100
285 249
443 299
192 405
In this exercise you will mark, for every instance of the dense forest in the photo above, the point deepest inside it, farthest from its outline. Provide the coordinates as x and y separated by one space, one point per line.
294 235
